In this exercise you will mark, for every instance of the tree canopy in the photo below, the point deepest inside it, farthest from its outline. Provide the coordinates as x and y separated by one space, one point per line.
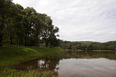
25 26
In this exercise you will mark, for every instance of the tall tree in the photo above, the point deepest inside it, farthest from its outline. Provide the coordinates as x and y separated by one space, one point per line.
25 26
4 9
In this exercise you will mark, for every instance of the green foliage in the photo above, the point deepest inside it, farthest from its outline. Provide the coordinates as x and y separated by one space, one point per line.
86 45
25 27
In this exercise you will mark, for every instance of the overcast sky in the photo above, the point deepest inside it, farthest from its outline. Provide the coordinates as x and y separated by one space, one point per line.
79 20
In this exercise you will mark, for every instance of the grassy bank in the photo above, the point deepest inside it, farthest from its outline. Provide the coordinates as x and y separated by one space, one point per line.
16 54
32 73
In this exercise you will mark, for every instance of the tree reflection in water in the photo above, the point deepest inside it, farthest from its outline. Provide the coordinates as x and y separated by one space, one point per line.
46 64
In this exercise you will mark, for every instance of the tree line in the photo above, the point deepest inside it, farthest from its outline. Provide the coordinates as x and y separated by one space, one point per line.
87 45
25 26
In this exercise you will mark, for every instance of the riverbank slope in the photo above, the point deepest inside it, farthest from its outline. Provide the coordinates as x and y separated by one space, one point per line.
11 55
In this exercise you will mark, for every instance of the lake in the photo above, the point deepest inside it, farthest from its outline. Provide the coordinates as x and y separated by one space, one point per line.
74 64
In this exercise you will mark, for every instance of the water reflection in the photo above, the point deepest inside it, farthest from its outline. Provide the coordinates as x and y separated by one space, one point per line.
42 64
99 67
75 64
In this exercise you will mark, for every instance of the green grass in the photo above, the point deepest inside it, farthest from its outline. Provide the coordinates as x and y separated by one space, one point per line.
103 50
15 54
32 73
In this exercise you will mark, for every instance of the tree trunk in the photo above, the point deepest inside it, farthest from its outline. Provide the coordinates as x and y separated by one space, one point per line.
46 43
11 42
1 40
1 29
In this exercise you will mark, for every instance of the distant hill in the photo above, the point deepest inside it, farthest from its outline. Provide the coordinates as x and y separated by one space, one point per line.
111 45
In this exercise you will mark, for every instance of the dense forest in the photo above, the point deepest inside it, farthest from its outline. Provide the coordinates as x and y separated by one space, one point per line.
25 26
88 45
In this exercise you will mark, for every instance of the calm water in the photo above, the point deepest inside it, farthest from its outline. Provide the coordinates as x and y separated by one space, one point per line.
75 65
